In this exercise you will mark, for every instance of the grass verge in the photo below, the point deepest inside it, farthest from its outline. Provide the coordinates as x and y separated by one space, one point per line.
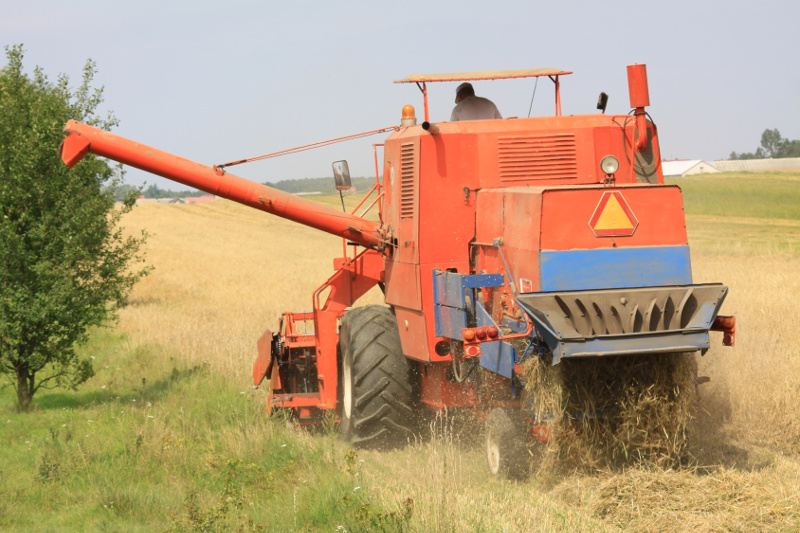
152 444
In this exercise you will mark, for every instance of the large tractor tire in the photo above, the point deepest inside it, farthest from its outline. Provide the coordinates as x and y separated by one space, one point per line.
506 446
376 389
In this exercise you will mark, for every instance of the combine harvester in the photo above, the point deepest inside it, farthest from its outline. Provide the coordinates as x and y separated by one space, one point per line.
495 241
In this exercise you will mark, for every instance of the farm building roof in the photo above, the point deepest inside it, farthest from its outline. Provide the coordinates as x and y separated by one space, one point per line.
687 167
755 165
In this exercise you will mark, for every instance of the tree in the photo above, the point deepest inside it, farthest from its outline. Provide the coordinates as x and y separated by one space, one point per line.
65 265
772 143
772 146
793 149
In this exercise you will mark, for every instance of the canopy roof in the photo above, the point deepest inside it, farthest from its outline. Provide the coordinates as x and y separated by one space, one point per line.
484 75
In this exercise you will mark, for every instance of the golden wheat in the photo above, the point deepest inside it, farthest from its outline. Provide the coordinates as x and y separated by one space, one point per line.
224 273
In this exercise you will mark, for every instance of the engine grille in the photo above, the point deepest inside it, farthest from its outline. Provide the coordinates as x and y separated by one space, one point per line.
407 181
537 157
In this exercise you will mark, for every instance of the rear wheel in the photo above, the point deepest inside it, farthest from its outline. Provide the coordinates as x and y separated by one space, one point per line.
375 388
506 446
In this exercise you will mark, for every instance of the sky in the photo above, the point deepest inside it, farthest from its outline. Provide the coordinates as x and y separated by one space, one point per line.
219 81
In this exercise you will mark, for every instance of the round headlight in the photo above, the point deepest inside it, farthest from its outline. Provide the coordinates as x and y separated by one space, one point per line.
609 164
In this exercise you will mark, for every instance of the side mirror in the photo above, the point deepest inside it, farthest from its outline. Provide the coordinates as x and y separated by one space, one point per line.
602 102
341 175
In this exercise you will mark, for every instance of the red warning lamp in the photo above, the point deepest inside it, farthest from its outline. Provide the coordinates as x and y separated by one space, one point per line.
473 351
492 331
480 333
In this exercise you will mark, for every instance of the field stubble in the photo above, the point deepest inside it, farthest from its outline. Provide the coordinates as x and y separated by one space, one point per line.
223 273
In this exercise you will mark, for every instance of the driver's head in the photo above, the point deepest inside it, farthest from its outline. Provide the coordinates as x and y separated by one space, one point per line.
463 91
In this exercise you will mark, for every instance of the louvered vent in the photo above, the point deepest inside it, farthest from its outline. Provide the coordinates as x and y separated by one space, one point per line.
537 157
407 173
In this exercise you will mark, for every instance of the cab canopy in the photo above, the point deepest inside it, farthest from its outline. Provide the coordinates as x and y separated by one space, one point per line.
423 79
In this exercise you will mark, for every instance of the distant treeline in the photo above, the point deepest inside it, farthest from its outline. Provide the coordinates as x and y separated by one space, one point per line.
151 191
772 146
323 185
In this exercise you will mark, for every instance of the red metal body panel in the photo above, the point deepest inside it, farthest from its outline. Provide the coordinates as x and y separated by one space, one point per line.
413 329
511 152
403 287
515 215
437 392
566 215
446 212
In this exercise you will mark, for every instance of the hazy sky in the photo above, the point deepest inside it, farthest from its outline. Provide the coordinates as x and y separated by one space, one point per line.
218 81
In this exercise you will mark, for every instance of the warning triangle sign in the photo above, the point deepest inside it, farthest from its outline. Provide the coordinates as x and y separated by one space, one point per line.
613 216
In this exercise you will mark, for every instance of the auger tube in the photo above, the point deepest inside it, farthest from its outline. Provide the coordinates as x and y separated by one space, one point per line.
82 139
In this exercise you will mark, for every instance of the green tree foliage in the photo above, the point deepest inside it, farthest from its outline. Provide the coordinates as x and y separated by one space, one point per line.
122 191
64 263
772 146
745 155
772 143
791 148
154 191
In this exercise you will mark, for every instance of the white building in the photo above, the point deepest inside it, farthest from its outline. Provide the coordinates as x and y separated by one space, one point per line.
677 169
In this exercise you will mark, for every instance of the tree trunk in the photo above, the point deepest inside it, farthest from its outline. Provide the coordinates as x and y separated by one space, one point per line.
24 388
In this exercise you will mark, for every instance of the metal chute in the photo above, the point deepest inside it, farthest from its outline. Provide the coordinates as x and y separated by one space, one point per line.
625 321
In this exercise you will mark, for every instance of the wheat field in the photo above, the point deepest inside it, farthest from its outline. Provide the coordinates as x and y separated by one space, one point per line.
223 273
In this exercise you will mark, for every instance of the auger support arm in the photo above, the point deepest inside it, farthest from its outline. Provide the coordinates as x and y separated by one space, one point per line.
82 139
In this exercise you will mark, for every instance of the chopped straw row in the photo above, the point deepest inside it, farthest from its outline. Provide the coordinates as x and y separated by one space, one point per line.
607 412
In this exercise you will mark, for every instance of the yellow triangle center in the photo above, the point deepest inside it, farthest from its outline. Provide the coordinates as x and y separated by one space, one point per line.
613 216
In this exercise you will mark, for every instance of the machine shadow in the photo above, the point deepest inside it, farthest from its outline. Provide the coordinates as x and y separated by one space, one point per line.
149 391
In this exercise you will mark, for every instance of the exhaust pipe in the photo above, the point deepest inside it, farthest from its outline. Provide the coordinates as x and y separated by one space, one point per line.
640 98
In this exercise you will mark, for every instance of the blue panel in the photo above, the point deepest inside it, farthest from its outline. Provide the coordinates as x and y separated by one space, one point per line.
482 317
615 268
498 357
451 322
449 289
475 281
449 309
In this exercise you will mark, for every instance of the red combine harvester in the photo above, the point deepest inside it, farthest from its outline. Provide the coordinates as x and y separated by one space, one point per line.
496 240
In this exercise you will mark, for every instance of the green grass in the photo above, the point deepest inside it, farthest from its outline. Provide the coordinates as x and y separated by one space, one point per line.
769 195
742 213
149 444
